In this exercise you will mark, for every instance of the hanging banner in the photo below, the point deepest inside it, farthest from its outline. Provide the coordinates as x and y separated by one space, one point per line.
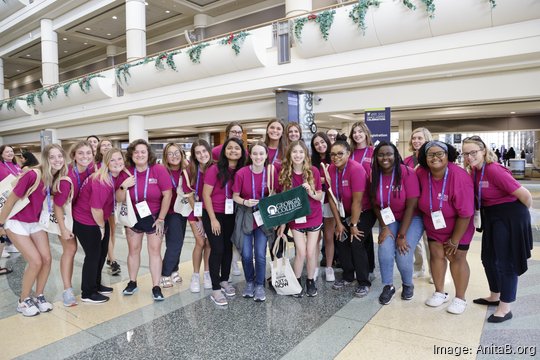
378 122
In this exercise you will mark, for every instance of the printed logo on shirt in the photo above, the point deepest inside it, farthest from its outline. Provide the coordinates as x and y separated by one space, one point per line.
439 197
395 187
345 183
152 180
484 184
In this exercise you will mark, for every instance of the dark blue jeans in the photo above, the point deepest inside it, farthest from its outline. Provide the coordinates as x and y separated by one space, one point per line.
175 225
256 241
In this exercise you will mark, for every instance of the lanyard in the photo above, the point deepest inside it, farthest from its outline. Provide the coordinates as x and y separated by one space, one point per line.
227 190
172 179
337 181
389 189
442 192
275 156
197 183
113 191
480 185
145 185
363 156
49 204
76 171
253 183
13 171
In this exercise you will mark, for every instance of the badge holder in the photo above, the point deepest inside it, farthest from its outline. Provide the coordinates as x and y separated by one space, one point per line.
438 220
388 216
143 209
197 209
229 206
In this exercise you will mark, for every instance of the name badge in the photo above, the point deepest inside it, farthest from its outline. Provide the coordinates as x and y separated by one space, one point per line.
197 210
477 219
345 183
323 196
301 220
341 209
388 216
258 218
229 206
438 220
44 218
143 209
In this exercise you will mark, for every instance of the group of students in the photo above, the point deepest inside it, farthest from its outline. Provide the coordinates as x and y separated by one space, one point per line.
350 183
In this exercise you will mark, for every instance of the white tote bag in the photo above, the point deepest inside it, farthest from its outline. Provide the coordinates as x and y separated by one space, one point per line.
6 187
283 278
124 212
181 204
48 220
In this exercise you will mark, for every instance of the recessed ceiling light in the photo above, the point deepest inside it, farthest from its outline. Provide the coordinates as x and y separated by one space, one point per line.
145 3
64 39
512 112
108 34
85 43
167 11
18 70
27 55
87 29
115 17
65 51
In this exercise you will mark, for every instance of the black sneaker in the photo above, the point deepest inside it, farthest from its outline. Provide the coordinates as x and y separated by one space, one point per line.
387 294
131 288
108 262
102 289
301 293
115 268
311 288
95 298
338 284
407 292
156 294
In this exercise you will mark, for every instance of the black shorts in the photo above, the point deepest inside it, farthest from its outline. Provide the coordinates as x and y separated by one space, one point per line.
310 229
463 247
145 225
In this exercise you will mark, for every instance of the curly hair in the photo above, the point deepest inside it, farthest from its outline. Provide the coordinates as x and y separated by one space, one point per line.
131 149
422 159
286 173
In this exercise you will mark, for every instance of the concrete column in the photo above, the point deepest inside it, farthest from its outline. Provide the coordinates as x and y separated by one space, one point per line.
536 150
200 23
135 29
49 53
297 7
345 128
405 132
112 51
207 137
47 137
136 128
1 79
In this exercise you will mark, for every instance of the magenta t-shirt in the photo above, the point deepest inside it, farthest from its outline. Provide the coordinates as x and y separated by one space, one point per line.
409 161
11 168
344 185
31 212
497 184
364 156
315 217
95 194
77 178
458 201
186 187
158 181
219 194
408 189
3 172
61 197
274 159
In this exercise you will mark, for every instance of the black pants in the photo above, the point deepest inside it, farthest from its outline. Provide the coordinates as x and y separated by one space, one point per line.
95 251
220 248
370 220
175 225
353 255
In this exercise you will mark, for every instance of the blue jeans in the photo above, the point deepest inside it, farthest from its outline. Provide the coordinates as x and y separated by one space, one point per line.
388 252
254 241
175 225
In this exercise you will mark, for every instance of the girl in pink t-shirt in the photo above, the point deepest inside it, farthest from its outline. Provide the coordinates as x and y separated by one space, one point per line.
150 193
201 160
81 166
218 216
8 160
24 228
297 171
447 203
275 141
505 224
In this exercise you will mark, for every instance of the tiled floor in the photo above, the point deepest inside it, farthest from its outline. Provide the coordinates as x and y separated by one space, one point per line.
332 325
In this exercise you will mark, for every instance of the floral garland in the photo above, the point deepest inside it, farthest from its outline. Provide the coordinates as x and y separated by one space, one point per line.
168 57
359 11
195 52
122 71
236 40
409 4
493 3
325 20
10 103
430 7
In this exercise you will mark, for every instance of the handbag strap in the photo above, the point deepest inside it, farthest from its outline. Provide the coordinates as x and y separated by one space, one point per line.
329 180
34 186
71 190
188 182
270 179
275 248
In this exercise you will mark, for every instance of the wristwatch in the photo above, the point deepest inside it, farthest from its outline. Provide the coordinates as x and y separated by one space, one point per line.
354 225
122 188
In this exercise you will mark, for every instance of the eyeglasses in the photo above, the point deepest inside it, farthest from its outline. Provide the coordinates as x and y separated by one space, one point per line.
339 155
438 154
234 132
471 153
173 154
385 155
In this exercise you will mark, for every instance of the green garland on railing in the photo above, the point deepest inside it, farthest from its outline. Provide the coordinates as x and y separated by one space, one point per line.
493 3
325 20
122 71
430 7
409 4
168 57
236 40
195 52
10 103
359 11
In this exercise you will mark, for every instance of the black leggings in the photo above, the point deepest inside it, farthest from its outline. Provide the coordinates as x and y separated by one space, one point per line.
220 248
95 251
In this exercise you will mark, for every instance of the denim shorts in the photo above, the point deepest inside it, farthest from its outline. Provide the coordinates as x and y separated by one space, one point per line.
310 229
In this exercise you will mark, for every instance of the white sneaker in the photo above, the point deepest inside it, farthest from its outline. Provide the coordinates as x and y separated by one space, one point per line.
195 285
329 272
418 274
437 299
11 249
27 307
316 274
457 306
235 269
207 280
42 304
5 254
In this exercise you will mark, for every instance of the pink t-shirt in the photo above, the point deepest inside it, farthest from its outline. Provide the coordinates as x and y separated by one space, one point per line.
31 212
217 150
219 194
274 159
458 201
13 169
315 217
186 187
363 156
95 194
409 161
408 189
61 197
175 176
497 184
3 172
77 178
158 181
344 185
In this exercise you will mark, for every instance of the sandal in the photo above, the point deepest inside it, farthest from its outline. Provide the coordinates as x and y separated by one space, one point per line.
5 271
166 282
176 277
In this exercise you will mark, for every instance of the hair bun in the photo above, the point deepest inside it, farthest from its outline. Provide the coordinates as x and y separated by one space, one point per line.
341 137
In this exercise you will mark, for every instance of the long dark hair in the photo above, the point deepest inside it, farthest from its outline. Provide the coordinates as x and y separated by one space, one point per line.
376 170
315 156
223 163
194 163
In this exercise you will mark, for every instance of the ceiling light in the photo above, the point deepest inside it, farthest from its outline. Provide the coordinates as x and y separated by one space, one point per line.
87 29
167 11
65 51
108 34
64 39
27 55
115 17
145 3
512 112
85 43
18 70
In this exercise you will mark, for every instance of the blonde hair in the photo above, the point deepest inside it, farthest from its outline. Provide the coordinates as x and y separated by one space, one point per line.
362 125
165 160
489 155
49 179
102 175
286 173
423 130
